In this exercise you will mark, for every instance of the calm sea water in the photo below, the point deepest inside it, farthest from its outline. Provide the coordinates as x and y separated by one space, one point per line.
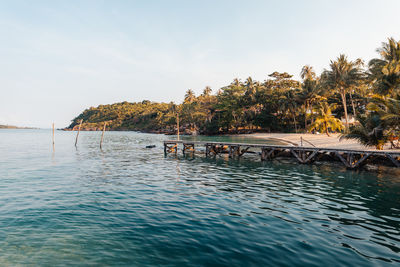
127 205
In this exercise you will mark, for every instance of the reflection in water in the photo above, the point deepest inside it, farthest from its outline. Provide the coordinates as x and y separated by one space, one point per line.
128 205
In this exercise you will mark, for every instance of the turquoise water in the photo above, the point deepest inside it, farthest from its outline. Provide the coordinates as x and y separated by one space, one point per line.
127 205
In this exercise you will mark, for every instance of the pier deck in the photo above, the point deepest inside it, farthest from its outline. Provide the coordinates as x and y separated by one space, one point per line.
352 159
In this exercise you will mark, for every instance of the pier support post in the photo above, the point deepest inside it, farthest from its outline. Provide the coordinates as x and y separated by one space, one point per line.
241 152
230 152
189 147
395 162
303 156
263 154
170 147
267 153
349 162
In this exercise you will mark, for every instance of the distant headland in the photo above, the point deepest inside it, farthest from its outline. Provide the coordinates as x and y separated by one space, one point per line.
14 127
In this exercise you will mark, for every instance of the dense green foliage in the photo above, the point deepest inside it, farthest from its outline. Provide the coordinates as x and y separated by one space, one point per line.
364 97
141 116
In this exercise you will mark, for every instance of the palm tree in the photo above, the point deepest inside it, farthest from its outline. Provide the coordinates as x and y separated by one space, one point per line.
307 73
207 91
250 100
356 88
368 131
343 74
250 92
310 90
325 120
288 105
229 103
189 96
385 71
389 112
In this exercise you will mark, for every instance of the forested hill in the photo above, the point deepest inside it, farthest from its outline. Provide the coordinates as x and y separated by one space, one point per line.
14 127
141 116
8 127
237 107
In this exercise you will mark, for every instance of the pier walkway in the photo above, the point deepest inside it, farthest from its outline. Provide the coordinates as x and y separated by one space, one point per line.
352 159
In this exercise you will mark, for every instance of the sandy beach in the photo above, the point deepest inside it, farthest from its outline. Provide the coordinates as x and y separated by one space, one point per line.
318 140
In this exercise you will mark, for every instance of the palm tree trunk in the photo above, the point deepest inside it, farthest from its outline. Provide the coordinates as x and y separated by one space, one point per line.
305 116
295 123
343 95
326 129
352 104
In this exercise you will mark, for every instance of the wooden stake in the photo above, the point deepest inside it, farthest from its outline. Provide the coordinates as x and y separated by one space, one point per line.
77 135
177 123
53 134
102 135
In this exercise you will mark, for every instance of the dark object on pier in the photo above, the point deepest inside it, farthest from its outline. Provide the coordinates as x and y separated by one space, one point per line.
151 146
352 159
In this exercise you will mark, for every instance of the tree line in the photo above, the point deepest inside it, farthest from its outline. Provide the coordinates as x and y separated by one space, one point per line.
359 99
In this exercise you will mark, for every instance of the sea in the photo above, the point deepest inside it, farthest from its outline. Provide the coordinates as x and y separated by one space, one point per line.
128 205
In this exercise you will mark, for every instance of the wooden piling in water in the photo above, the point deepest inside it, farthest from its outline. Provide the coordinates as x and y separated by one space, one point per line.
53 135
102 135
177 124
79 130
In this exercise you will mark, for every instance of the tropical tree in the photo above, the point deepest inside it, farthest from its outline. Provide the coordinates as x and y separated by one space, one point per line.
385 71
310 91
230 106
368 131
342 75
207 91
289 105
389 113
324 120
189 96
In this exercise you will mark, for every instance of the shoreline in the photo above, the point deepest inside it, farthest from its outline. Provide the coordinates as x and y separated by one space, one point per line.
318 140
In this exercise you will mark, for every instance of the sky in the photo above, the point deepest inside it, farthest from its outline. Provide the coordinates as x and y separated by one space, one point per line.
58 58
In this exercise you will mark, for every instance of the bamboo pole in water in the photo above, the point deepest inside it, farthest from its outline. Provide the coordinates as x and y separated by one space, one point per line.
53 133
102 135
177 124
77 135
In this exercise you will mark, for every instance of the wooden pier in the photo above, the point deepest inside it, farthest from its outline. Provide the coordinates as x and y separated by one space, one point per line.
352 159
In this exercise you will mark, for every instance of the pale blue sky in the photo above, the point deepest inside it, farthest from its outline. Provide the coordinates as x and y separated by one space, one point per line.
60 57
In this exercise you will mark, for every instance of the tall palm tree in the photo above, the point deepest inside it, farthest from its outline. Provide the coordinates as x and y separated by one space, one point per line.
189 96
325 120
342 75
288 105
310 91
307 73
389 112
207 91
385 71
236 82
250 86
357 88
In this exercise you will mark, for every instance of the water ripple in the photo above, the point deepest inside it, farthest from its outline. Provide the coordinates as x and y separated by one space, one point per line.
128 205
